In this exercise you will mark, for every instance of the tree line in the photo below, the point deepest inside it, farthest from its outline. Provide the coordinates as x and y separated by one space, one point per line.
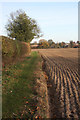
51 44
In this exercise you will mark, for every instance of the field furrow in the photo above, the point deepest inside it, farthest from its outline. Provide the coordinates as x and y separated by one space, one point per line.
62 69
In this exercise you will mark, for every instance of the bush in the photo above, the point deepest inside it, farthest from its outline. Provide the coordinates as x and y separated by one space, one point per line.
12 49
26 49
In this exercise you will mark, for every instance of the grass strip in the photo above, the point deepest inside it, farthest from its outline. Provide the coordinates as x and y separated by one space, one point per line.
19 94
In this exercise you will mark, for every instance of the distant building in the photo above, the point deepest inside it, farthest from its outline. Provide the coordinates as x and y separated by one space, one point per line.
66 45
34 46
76 45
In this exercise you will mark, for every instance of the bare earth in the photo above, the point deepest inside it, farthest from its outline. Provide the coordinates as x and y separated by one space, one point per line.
63 84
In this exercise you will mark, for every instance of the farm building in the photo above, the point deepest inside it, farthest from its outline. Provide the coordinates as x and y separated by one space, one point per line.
34 46
76 45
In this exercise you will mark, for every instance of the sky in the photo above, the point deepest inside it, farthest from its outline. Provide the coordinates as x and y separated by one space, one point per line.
57 20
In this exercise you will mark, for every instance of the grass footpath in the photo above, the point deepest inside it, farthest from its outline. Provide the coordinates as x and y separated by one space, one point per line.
18 85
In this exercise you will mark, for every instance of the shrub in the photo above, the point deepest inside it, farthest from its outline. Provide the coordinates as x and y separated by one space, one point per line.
10 47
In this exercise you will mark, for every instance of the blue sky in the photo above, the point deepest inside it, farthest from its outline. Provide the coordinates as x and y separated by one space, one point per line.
57 20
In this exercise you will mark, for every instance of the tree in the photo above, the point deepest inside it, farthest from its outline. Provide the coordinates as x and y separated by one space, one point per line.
62 44
22 27
50 41
78 42
57 45
43 43
71 43
53 45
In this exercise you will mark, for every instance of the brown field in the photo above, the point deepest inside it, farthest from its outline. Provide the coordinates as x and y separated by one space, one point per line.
61 66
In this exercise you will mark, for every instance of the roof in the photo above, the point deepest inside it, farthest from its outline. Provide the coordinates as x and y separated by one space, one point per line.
34 46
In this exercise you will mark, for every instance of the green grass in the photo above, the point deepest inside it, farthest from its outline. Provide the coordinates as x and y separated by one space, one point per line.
18 88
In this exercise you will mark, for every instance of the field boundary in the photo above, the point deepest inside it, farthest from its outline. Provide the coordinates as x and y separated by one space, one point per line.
41 85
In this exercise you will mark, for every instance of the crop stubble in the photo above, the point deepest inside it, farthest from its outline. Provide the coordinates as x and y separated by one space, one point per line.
62 68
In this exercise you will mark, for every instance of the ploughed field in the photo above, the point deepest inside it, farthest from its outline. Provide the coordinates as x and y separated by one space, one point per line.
63 84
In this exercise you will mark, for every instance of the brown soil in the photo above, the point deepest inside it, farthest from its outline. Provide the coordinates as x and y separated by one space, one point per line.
61 66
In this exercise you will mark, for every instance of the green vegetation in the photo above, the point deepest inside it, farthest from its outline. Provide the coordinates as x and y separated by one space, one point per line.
10 47
18 88
22 27
43 43
50 44
50 41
